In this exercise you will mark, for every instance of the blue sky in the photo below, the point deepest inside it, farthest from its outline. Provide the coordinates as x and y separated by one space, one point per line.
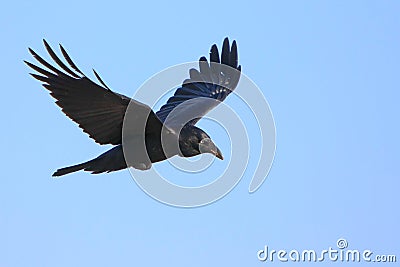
329 70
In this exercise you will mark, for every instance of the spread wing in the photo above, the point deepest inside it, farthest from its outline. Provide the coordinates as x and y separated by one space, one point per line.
97 110
205 88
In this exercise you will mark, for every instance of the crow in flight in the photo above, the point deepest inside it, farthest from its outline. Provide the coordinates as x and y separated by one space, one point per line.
101 113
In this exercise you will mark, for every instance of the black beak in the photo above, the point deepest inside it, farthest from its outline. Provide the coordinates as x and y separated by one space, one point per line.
219 154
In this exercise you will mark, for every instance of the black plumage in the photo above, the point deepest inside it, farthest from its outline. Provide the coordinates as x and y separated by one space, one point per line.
100 112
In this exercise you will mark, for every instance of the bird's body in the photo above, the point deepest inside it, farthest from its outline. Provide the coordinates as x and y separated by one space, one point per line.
148 137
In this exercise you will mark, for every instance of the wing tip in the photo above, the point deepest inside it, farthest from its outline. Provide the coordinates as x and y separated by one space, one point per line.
33 53
46 44
226 42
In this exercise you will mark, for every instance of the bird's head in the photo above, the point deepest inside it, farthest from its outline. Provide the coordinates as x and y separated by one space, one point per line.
204 144
207 146
194 141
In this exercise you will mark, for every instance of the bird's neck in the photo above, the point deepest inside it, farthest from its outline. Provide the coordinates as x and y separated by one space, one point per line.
188 141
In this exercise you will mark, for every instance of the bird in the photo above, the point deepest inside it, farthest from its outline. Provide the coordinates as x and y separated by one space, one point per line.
151 136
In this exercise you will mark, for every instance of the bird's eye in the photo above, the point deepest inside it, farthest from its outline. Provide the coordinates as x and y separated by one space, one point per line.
205 141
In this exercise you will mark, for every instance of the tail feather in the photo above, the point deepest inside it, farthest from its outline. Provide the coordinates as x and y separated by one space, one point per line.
112 160
66 170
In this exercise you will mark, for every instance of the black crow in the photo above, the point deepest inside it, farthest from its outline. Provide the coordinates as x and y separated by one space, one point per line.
100 112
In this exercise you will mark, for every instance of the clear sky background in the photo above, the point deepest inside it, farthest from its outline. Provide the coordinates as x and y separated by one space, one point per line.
329 70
